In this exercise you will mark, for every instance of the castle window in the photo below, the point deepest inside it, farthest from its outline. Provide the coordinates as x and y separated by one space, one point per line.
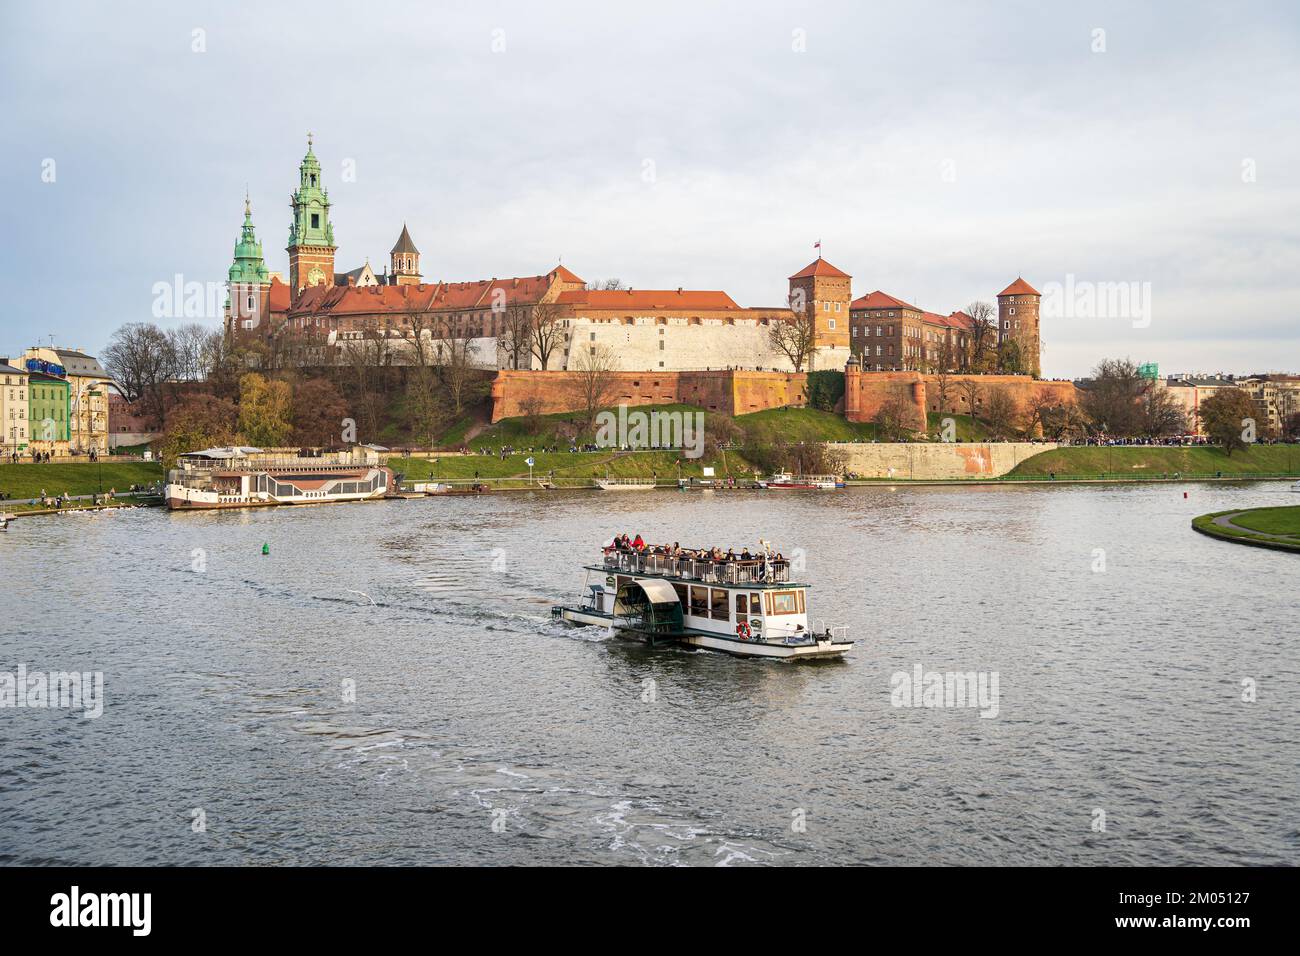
832 324
315 220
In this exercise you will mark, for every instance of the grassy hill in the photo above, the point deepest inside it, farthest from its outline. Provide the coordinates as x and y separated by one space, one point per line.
1156 462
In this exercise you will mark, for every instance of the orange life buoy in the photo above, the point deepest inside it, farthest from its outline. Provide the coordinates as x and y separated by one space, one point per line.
742 630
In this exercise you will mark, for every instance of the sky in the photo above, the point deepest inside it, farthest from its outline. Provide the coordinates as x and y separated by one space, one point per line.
1137 163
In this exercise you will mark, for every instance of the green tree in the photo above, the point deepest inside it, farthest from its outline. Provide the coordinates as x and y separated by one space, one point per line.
265 410
1230 418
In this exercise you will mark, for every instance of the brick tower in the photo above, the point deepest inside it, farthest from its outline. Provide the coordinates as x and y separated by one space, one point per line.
1018 322
405 260
826 291
311 236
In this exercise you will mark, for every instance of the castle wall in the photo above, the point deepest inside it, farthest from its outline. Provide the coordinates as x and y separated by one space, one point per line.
732 393
866 392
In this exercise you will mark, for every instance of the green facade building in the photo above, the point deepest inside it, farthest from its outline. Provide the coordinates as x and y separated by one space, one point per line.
49 408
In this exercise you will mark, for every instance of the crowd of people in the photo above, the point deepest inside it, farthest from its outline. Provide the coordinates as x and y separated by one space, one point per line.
622 544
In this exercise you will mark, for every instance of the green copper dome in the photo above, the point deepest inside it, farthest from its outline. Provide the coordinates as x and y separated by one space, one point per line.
248 265
311 206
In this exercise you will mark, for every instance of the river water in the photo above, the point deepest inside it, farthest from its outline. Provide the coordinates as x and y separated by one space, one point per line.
484 732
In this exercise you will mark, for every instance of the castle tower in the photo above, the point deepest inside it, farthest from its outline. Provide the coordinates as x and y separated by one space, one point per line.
826 291
311 236
248 280
1018 321
405 260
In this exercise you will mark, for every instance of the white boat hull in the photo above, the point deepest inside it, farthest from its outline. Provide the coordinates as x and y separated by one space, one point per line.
726 645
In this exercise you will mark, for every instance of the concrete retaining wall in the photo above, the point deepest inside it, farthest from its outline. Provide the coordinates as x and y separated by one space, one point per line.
937 460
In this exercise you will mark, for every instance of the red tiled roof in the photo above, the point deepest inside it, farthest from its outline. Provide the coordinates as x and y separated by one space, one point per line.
620 300
880 300
1019 287
278 298
357 300
564 275
820 268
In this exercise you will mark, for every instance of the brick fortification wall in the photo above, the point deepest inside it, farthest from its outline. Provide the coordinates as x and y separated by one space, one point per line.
729 392
866 392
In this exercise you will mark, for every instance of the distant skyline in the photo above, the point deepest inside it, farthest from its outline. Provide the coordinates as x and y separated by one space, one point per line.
937 150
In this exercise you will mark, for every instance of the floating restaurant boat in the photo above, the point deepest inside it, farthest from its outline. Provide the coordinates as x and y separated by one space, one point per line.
626 484
744 607
817 482
245 477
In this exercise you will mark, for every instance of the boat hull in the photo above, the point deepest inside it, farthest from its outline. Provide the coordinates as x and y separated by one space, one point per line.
822 649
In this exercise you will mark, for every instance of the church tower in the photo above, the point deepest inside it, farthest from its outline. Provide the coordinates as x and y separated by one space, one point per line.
405 260
311 236
248 280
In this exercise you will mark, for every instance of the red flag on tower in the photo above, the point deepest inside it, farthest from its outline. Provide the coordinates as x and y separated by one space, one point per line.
817 244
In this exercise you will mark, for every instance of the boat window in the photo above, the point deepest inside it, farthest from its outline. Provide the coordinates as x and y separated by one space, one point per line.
742 606
719 604
785 602
682 594
755 604
700 601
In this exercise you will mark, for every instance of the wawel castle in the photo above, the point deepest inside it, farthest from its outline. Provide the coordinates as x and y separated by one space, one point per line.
322 312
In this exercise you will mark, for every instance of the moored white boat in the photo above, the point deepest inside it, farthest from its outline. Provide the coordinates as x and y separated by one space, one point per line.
747 607
245 477
808 482
626 484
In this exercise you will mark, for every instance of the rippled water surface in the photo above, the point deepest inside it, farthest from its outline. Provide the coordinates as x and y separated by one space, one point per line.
1119 691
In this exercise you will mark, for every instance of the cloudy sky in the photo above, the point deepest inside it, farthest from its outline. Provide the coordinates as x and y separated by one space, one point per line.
937 150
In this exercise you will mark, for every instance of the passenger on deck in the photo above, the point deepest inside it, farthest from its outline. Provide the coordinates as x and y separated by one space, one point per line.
638 544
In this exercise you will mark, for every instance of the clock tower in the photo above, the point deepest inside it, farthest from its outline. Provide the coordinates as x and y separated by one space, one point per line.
311 236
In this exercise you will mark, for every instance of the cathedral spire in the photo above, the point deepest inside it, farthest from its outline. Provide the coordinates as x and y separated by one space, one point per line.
248 265
311 235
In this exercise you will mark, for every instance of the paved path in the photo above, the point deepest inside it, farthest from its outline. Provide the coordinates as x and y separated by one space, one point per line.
1225 521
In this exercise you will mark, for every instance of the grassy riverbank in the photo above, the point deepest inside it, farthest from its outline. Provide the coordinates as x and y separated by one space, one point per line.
27 480
1276 528
1160 462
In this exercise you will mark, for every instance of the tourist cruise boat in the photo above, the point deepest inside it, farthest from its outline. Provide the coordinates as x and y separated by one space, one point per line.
626 484
818 482
245 477
749 608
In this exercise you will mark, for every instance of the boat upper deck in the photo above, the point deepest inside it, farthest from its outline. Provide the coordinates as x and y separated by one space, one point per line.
756 572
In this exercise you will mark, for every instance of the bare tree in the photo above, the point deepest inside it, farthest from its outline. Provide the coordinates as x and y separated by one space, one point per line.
970 390
606 284
546 334
891 420
516 339
140 359
454 356
794 337
595 382
187 343
1000 413
983 333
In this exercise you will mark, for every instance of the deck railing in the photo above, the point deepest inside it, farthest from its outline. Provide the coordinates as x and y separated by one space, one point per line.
735 571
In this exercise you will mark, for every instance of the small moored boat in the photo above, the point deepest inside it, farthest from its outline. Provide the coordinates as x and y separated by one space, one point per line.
747 607
809 482
626 484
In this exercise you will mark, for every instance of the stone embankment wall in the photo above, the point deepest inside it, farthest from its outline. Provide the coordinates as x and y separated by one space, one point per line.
936 460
